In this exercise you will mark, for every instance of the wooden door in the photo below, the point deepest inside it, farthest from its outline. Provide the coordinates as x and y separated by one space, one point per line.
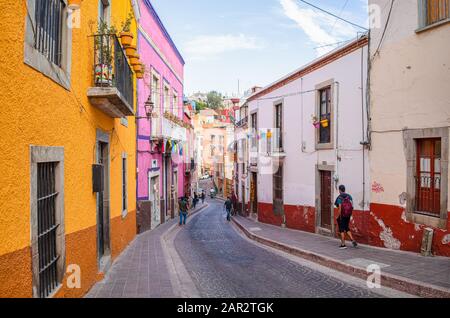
325 199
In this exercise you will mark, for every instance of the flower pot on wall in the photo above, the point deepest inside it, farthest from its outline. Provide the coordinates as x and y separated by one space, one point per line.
137 68
324 123
126 38
130 50
74 4
134 59
316 125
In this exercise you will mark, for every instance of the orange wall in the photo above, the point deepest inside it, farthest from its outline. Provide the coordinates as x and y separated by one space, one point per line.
37 111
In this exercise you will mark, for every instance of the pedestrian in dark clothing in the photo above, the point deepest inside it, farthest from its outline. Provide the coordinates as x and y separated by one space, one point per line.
228 206
184 206
203 196
234 202
344 203
195 200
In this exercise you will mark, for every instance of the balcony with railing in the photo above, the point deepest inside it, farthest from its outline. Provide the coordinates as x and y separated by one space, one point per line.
190 167
112 92
164 128
242 123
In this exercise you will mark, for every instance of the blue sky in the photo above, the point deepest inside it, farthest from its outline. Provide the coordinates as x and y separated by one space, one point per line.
253 41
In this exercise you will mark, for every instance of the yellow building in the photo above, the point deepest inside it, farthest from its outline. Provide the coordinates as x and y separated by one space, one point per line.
68 190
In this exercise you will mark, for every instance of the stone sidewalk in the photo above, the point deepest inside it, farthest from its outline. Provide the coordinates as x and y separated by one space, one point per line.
405 271
141 270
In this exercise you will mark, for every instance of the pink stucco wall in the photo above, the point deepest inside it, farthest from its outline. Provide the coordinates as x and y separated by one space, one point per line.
165 63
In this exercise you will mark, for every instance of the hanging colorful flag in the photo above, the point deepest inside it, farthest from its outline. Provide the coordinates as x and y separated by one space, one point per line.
181 150
269 134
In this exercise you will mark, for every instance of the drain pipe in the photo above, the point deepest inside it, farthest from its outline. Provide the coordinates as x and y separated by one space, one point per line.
338 158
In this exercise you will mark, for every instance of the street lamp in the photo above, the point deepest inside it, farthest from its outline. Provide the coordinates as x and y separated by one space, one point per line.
148 106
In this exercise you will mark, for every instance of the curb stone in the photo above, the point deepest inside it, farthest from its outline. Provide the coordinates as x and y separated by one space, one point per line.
388 280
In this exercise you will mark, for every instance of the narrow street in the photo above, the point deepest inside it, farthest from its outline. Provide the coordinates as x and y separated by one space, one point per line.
224 264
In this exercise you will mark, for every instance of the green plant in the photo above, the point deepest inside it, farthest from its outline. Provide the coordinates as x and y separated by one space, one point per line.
127 23
104 42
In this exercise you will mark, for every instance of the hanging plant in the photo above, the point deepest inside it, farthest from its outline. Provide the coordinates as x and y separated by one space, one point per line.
325 123
74 4
315 121
130 50
126 37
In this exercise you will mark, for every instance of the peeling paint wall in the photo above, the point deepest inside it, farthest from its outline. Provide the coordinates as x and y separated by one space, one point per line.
415 95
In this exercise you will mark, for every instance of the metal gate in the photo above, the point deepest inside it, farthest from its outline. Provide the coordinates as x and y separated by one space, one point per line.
47 226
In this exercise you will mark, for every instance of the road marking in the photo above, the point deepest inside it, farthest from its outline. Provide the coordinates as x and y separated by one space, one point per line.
255 229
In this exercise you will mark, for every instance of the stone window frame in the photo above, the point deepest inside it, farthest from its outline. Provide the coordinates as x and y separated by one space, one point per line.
409 138
167 101
36 60
283 125
318 87
175 102
422 17
43 154
156 77
125 209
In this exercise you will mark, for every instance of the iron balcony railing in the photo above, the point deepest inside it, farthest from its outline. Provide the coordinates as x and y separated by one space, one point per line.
111 68
242 122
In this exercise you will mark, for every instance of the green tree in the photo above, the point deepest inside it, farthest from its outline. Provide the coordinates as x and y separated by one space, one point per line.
200 106
214 100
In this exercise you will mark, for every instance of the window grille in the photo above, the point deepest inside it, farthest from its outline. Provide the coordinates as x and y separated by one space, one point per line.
48 34
47 226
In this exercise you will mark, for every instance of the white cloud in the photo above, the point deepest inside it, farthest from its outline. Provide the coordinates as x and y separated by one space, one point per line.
315 25
210 46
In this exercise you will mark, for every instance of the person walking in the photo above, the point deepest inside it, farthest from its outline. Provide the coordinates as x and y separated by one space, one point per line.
203 196
228 206
183 205
234 203
195 200
344 203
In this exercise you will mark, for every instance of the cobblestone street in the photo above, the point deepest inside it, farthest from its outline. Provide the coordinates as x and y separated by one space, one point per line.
212 259
223 264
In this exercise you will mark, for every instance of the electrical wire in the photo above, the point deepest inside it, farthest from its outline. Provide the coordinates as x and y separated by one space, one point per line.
385 29
334 15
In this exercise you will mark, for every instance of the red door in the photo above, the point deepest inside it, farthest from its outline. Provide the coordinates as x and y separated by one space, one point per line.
428 180
325 199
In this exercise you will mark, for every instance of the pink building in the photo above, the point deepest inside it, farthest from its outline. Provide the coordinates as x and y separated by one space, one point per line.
162 139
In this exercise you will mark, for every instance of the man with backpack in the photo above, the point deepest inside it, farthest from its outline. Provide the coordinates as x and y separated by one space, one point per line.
344 203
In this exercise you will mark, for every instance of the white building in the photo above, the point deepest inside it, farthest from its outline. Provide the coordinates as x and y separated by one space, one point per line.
295 167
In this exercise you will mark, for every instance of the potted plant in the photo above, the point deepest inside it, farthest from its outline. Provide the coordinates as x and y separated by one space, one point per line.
137 68
130 50
126 37
139 75
104 53
315 122
134 59
325 122
74 4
